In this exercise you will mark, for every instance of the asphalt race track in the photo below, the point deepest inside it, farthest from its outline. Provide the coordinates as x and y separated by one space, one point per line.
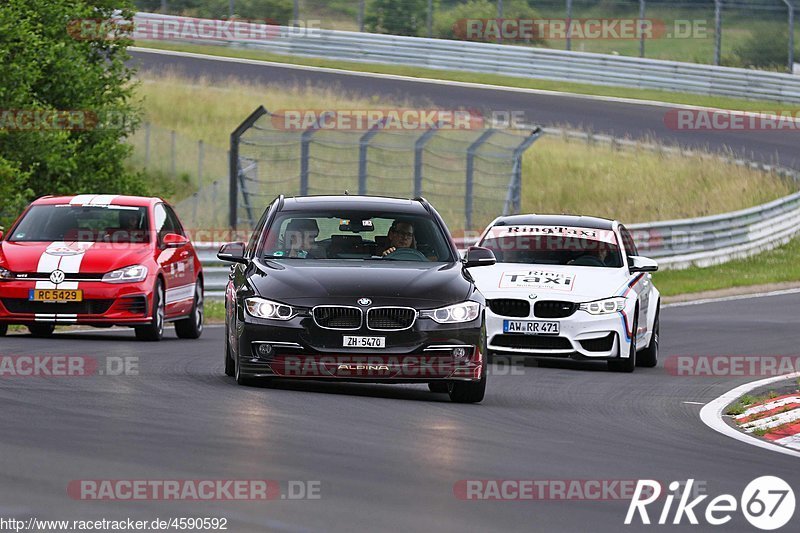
387 457
615 118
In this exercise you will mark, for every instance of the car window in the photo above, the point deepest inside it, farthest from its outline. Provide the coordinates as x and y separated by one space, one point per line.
163 222
174 221
78 223
554 245
627 241
356 235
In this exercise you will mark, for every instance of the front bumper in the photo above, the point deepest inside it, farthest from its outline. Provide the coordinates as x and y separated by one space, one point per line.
301 349
581 336
103 304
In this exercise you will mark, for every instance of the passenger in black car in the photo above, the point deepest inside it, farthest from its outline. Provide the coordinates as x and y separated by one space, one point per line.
300 239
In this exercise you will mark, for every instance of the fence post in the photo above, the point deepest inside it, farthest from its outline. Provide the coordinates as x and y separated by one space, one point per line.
363 146
500 18
569 25
361 15
642 7
419 147
200 157
233 165
513 202
718 31
305 142
790 5
429 19
146 145
172 152
471 173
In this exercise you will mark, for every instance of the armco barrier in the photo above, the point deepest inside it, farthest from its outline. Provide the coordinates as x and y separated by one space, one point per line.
508 60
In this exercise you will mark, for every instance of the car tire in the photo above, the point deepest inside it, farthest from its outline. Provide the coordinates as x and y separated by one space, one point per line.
154 331
648 358
468 391
192 327
438 387
230 366
42 330
3 330
628 364
241 377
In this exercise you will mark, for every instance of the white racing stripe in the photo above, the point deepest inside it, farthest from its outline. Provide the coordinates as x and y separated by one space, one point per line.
52 260
82 199
102 200
179 294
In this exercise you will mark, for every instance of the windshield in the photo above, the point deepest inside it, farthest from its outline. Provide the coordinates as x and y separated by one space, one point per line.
554 245
355 235
75 223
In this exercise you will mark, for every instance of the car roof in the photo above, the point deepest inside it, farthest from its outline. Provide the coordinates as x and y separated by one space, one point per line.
99 199
556 220
354 202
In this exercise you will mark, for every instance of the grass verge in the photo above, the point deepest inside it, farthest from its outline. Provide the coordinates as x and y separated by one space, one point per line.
489 79
774 266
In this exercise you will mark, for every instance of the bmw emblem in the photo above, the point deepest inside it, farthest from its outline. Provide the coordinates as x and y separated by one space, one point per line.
57 276
533 296
364 301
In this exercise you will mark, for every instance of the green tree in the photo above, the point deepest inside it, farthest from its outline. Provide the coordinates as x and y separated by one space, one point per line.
397 17
57 59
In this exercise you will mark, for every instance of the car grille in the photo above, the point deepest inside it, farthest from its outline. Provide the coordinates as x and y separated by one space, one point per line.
554 309
86 307
390 318
510 307
532 342
332 317
603 344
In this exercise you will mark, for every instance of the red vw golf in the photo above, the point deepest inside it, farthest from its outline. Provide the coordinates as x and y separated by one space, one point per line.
100 260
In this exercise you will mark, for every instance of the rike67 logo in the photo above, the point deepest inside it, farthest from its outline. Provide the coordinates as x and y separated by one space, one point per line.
767 503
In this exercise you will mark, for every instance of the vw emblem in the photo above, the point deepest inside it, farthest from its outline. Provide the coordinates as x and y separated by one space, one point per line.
364 301
533 296
57 276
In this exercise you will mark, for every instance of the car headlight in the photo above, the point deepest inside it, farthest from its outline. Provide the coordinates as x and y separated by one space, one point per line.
131 274
454 314
5 274
263 308
604 307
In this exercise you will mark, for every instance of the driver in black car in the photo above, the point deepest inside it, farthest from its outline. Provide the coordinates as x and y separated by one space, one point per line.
401 235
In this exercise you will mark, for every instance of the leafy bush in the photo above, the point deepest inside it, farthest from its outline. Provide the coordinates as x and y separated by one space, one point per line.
407 17
451 23
50 67
765 47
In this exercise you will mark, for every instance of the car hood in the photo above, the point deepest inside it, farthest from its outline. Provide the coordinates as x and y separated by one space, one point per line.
568 283
75 257
313 282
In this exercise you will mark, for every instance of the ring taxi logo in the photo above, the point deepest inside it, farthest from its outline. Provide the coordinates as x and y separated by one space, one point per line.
537 279
767 502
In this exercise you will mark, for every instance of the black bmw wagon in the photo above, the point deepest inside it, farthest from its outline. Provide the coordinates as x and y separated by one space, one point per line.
355 288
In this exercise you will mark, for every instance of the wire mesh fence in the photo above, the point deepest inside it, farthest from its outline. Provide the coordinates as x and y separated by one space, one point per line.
471 176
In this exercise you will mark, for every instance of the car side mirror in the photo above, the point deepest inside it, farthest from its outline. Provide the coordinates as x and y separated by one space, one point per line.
232 252
173 240
638 263
1 235
477 256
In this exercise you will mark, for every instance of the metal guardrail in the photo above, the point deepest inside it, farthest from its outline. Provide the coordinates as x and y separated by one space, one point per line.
676 244
509 60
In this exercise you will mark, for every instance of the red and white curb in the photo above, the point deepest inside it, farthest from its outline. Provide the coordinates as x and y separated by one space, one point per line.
778 418
767 415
